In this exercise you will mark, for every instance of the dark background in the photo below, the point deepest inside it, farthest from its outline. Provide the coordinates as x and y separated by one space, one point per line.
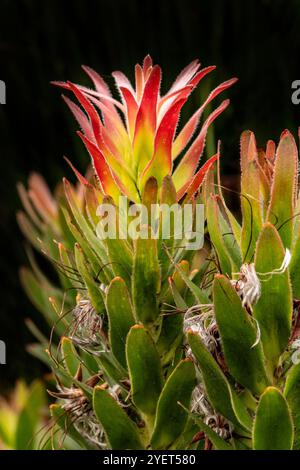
255 40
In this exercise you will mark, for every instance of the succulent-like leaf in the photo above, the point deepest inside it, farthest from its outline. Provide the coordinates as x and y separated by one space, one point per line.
172 325
118 249
70 357
216 440
146 280
39 294
120 316
122 433
93 287
282 203
250 196
294 266
113 370
95 244
62 419
170 417
238 335
218 389
213 216
273 310
292 395
29 417
273 426
145 371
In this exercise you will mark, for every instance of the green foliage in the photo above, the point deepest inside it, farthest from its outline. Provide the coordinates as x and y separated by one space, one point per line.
23 416
156 346
273 426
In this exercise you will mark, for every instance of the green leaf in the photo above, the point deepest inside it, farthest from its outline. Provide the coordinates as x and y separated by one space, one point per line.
229 241
94 243
62 419
218 389
294 267
145 372
29 417
273 427
92 286
282 203
217 441
149 197
172 326
119 250
39 295
250 195
146 280
213 223
292 395
70 357
199 296
120 316
170 417
167 223
102 271
114 372
238 335
185 440
120 430
273 310
69 268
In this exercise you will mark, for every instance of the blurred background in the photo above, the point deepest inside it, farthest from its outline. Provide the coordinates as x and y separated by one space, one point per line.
255 40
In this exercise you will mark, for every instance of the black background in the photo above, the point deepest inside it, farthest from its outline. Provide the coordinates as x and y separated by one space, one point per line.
255 40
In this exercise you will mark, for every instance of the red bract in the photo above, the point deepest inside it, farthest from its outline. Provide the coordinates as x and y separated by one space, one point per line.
135 139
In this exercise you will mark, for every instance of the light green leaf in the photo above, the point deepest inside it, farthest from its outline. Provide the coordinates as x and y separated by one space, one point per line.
273 426
238 335
170 417
273 310
121 431
120 316
145 371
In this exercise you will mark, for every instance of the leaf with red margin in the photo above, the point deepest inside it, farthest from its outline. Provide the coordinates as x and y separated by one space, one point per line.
88 92
283 192
145 125
185 75
173 95
131 108
201 74
113 133
198 179
188 165
168 100
80 117
139 81
147 110
103 171
100 133
128 98
147 66
250 196
188 130
160 164
112 172
102 87
78 175
270 150
89 109
103 140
